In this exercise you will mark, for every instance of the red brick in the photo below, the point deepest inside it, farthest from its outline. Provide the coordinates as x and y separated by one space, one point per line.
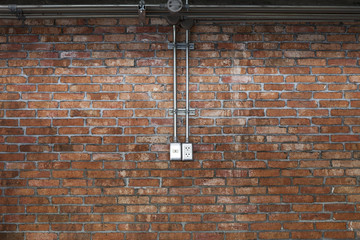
140 236
295 78
241 235
326 70
41 236
340 235
237 149
140 182
307 235
174 236
299 226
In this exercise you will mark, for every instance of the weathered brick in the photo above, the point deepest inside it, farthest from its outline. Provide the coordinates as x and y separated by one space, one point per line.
87 109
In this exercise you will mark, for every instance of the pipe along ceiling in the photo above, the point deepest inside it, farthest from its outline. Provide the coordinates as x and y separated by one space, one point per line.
187 11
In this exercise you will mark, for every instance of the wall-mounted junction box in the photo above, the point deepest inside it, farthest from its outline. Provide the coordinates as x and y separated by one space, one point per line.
187 151
175 151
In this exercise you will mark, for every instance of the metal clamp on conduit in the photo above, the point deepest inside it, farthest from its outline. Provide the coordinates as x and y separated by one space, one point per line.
182 112
181 46
142 12
16 11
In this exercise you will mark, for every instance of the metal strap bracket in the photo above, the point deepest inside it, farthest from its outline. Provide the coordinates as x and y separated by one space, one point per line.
181 46
142 12
182 112
17 11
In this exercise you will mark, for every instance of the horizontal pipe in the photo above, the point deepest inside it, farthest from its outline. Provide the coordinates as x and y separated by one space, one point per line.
68 16
201 12
69 6
192 7
200 17
199 20
277 8
280 17
196 8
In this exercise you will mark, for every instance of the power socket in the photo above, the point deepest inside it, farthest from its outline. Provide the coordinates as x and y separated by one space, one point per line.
187 151
175 151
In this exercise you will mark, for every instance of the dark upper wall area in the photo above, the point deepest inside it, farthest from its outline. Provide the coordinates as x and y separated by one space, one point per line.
223 2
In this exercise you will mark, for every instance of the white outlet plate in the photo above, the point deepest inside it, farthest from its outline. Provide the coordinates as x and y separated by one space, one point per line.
175 151
187 151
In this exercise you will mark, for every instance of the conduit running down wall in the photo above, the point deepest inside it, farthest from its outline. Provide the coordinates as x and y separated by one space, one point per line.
187 107
175 85
175 146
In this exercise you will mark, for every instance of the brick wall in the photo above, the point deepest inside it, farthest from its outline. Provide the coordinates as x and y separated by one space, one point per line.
85 131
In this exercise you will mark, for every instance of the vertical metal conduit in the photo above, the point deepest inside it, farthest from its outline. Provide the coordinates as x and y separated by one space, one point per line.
175 84
187 110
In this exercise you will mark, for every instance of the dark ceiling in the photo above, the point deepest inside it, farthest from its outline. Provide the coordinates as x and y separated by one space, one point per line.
200 2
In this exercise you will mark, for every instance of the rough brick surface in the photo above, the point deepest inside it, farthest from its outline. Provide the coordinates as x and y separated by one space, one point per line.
85 131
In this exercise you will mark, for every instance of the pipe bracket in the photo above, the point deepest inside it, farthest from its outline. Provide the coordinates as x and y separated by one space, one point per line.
182 112
181 46
16 11
142 12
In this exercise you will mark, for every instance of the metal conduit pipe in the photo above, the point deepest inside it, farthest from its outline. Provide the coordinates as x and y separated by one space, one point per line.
175 146
175 85
338 18
200 12
187 147
191 8
201 18
187 108
271 9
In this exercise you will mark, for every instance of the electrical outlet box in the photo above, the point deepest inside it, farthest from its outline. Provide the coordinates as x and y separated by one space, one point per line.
187 151
175 151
